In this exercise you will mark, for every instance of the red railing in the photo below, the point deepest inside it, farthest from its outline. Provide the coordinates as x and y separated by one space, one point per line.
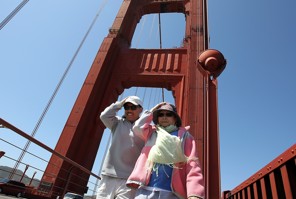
277 180
35 188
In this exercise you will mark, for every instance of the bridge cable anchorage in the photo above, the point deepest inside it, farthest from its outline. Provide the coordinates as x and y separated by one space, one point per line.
55 91
13 13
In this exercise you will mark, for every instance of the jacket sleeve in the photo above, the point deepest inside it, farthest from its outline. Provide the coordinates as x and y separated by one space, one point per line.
143 127
108 116
194 177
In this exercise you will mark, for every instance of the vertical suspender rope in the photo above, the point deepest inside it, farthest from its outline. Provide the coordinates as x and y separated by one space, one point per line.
13 13
159 26
141 30
160 46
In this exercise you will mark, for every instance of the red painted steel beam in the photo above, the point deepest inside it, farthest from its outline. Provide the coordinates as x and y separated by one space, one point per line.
256 193
274 192
286 182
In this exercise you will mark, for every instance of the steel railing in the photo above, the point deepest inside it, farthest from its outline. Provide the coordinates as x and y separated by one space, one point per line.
35 188
277 180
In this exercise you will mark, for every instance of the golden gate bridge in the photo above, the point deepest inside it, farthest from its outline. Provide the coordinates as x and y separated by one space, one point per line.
190 71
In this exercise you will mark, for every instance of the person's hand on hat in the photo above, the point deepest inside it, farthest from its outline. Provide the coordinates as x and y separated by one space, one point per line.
157 106
122 102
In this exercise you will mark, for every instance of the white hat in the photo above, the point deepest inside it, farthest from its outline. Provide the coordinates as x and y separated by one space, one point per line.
134 100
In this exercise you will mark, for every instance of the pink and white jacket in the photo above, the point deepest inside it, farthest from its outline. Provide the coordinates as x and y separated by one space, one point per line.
187 178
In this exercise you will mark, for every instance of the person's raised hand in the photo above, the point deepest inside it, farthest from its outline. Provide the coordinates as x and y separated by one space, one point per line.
122 102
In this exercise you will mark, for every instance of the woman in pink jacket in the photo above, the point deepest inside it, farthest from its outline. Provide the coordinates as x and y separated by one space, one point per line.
168 166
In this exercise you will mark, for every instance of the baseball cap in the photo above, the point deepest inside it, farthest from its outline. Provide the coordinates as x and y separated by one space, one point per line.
134 100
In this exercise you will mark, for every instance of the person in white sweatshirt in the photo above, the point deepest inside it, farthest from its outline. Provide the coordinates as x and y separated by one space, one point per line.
124 150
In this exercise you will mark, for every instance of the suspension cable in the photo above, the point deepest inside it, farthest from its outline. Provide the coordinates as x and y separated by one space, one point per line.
55 92
13 13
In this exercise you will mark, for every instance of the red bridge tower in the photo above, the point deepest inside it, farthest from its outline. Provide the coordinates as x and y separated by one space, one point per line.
190 72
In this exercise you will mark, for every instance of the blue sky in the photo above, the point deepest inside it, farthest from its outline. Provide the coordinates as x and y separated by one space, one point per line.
256 92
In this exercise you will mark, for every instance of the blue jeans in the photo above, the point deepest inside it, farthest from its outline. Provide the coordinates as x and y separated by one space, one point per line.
142 193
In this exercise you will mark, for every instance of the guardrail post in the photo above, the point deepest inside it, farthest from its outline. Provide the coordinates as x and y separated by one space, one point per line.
2 154
27 166
32 178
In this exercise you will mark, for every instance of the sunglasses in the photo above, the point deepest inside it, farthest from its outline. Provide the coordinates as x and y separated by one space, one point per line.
165 114
132 107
